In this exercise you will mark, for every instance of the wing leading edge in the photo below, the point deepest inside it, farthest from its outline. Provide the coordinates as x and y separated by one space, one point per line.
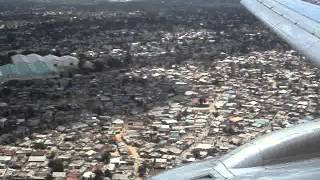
295 21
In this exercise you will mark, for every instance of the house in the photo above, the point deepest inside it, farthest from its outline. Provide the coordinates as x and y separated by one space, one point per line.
59 175
118 123
174 150
88 175
164 128
170 121
37 159
72 176
204 146
5 159
2 173
3 122
160 163
78 125
119 177
136 124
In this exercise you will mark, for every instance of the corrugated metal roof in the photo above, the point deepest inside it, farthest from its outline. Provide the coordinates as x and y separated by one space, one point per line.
60 62
36 66
23 70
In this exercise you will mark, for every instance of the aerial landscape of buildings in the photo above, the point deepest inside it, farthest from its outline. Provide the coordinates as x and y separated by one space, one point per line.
125 90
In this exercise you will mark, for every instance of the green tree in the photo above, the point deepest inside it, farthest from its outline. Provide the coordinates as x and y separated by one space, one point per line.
40 146
106 157
99 175
56 165
107 173
11 37
98 66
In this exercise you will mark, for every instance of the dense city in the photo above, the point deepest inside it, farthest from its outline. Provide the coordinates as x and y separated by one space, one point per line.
149 86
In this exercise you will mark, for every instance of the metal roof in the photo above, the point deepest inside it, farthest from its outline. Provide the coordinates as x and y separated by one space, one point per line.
23 70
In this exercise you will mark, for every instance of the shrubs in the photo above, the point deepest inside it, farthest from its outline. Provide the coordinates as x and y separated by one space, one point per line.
56 165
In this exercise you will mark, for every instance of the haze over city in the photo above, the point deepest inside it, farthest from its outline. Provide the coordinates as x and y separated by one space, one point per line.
127 89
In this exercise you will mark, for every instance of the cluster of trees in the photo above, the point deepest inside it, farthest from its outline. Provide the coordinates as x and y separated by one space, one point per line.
100 175
57 165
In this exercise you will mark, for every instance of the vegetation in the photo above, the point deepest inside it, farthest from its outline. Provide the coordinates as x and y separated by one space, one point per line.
56 165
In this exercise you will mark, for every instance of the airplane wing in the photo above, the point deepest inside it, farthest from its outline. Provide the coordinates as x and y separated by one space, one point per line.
287 154
296 21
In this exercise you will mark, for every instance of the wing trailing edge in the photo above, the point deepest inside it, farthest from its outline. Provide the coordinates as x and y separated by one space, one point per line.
295 21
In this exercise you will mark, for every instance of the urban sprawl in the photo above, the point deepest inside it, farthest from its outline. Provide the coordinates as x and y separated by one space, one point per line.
149 86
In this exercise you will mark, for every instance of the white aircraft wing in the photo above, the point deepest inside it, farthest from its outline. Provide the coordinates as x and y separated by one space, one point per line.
295 21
